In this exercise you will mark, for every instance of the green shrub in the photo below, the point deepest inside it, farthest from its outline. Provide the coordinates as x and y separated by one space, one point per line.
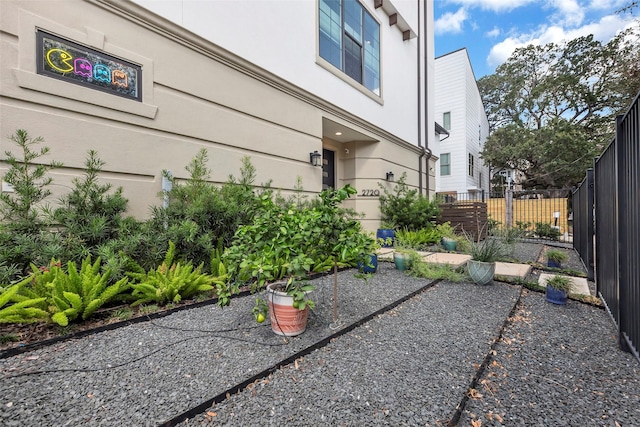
23 222
200 216
405 208
418 239
14 309
90 215
73 294
545 230
171 282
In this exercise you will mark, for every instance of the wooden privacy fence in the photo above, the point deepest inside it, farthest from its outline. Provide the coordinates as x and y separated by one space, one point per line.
552 211
470 217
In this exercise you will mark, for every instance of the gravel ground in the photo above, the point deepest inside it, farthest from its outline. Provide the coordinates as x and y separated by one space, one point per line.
557 366
410 365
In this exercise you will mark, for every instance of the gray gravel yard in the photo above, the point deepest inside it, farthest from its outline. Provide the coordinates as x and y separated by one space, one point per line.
409 352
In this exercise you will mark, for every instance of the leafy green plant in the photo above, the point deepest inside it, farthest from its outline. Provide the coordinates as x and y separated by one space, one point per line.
200 216
14 309
417 239
545 230
405 208
90 215
419 268
22 219
556 255
122 314
446 230
279 244
560 283
76 294
487 250
171 282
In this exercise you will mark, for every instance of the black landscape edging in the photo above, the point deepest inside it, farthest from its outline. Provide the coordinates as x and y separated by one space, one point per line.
265 373
476 378
109 327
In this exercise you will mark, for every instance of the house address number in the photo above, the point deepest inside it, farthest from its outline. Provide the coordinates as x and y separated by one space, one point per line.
370 193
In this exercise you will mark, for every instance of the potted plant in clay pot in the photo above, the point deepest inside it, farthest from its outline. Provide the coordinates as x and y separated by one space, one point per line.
484 254
555 258
276 249
282 246
558 287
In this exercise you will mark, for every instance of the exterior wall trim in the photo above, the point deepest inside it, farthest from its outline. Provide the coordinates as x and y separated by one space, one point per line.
178 34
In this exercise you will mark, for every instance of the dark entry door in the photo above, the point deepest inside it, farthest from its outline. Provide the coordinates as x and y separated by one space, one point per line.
328 169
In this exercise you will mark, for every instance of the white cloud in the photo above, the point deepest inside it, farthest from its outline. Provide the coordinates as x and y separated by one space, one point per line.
603 30
569 12
451 22
608 4
494 5
493 33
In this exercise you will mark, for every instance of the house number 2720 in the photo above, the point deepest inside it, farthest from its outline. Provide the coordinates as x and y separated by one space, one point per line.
370 193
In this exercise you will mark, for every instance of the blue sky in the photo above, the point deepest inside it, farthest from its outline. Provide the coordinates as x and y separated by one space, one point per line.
492 29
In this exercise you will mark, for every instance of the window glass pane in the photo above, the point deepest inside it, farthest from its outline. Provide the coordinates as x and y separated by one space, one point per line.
352 59
353 19
446 120
331 32
445 164
371 54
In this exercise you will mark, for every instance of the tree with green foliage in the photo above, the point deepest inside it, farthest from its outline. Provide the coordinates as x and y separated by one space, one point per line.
552 107
90 215
22 212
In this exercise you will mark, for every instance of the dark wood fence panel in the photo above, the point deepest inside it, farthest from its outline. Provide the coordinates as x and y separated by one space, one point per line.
467 217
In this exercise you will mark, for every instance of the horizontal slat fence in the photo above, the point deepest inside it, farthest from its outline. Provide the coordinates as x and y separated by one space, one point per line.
469 217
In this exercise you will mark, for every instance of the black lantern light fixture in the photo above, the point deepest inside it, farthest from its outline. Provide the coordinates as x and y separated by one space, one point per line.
315 158
390 176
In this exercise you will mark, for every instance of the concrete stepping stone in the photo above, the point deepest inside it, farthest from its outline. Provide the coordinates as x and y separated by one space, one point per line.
508 269
580 284
454 260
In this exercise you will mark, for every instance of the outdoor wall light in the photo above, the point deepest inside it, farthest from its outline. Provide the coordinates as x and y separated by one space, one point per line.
390 176
315 158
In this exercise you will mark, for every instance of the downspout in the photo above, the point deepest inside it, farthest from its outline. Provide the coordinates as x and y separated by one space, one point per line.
419 106
426 149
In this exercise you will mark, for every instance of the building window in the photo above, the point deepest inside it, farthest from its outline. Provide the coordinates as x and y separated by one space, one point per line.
446 120
445 164
350 41
471 162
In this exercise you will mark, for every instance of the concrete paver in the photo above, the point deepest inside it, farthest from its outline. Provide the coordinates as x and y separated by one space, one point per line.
580 284
508 269
454 260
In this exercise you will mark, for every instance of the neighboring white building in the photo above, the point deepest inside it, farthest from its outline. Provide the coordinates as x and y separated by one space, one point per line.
459 109
148 83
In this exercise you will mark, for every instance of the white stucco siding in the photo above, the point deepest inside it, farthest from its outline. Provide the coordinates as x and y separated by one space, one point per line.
281 36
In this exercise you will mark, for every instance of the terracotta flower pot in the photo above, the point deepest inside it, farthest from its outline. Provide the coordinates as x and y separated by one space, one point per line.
285 318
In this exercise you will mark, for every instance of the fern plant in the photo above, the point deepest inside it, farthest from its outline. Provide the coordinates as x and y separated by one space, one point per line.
74 294
17 309
172 282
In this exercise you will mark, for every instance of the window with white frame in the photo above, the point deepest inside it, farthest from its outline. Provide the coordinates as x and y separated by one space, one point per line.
471 164
445 164
350 41
446 120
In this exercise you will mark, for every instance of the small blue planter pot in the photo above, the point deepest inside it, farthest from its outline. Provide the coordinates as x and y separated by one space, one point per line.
369 267
555 296
384 234
553 264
